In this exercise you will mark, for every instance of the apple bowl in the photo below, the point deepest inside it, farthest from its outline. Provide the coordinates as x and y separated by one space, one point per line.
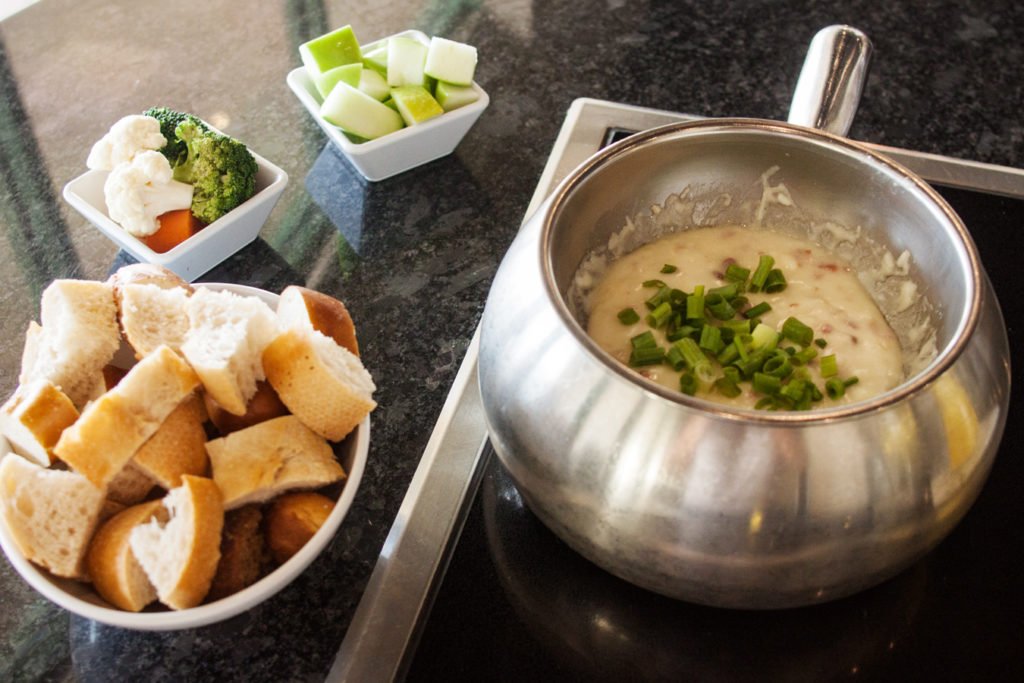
403 149
83 600
203 250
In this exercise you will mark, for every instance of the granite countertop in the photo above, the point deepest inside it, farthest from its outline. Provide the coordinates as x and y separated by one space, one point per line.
412 256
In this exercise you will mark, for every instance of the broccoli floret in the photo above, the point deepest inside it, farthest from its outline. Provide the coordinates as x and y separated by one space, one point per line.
169 119
220 169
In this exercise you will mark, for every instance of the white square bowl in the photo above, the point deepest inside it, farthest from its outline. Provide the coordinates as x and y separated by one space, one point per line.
81 599
200 252
404 149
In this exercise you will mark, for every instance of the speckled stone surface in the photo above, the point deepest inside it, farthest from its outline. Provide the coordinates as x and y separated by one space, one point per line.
412 256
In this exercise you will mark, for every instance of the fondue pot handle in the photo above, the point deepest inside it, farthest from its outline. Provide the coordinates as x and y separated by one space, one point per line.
831 81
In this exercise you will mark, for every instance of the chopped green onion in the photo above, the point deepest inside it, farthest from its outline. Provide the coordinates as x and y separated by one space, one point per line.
851 380
778 366
728 355
677 297
829 367
680 331
655 283
628 316
835 388
719 307
751 364
727 292
795 330
764 266
766 384
695 304
646 355
726 387
737 273
688 383
764 337
775 282
660 297
821 343
674 357
766 403
805 356
711 339
644 340
659 316
695 358
739 326
742 344
758 310
815 392
668 268
794 390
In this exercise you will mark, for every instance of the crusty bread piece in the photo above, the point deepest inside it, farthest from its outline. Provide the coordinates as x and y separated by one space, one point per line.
255 464
79 336
29 352
130 486
145 274
50 513
153 316
34 418
116 575
180 556
264 405
114 426
241 552
293 519
177 448
323 384
226 337
308 309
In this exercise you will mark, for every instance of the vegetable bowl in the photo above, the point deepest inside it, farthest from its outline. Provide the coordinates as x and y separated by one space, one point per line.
400 150
203 250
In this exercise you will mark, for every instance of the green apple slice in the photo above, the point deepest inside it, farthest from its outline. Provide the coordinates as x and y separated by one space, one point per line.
415 104
454 96
377 59
373 84
332 49
356 112
450 61
406 58
347 73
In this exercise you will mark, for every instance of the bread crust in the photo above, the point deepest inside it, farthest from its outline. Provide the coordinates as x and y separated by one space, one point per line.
255 464
242 551
182 572
113 427
325 402
299 306
116 574
34 417
178 447
264 405
293 519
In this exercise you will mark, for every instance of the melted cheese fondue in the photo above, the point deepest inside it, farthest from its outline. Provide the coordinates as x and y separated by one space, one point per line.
823 292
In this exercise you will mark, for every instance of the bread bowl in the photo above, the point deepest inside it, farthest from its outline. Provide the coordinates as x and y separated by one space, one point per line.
83 600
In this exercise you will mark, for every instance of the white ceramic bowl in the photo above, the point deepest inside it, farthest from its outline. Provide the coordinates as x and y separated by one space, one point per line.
81 599
404 149
206 248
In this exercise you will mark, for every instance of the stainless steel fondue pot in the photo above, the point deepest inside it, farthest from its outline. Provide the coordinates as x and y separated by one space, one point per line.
732 507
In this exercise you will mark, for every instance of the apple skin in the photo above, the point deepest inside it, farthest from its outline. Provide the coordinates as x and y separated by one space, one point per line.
356 112
377 59
337 48
415 104
454 96
373 84
346 73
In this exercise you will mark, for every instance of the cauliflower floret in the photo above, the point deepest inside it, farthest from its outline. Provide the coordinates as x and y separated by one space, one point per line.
125 139
139 191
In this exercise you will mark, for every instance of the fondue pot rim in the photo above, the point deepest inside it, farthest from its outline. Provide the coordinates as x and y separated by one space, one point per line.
946 357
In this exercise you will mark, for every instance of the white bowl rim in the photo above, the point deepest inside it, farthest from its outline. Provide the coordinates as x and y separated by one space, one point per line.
224 608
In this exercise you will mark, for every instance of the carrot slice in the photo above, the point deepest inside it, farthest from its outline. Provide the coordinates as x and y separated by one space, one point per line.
175 227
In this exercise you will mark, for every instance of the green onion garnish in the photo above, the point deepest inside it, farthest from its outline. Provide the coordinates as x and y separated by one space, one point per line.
655 283
829 367
820 343
727 292
644 340
764 337
795 390
711 339
775 282
719 306
805 356
648 355
757 311
695 304
737 273
726 387
796 331
628 316
674 357
668 268
659 317
766 384
764 266
661 296
688 383
835 388
728 355
851 380
778 366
